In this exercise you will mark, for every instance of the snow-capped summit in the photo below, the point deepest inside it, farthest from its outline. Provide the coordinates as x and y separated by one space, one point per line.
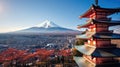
47 27
47 24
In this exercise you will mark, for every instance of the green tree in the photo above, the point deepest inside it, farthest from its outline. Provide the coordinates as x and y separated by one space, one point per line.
80 42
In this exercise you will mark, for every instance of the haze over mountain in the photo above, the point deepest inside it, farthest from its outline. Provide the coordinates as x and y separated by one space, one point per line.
47 27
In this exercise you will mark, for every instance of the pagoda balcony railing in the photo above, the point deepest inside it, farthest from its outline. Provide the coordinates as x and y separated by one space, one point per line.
104 19
114 61
101 46
95 61
105 32
107 46
102 31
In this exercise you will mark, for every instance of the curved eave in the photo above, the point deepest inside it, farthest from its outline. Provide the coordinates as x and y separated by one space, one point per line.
110 23
80 61
94 8
86 25
85 51
86 35
86 14
99 52
92 21
83 37
109 11
107 36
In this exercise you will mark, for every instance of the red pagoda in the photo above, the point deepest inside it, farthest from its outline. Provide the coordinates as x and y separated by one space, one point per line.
98 49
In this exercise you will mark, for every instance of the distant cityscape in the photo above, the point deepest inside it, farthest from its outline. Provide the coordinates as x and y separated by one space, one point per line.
37 50
37 41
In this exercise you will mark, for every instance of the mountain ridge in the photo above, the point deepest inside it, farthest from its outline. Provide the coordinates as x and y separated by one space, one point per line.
47 27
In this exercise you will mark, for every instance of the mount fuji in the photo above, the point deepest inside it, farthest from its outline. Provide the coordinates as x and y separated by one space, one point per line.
47 24
47 27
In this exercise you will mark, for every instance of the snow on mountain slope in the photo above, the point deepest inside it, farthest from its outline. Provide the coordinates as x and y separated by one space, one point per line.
47 27
47 24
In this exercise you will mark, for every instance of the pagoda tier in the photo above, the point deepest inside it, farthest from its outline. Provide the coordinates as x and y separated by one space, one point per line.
93 62
96 11
99 52
97 48
102 35
99 22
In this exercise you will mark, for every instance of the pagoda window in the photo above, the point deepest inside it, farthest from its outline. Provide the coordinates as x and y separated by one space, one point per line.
102 27
91 42
94 60
101 13
92 28
103 42
102 16
94 42
104 60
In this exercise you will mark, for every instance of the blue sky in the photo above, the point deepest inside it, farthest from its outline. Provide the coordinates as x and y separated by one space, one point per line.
21 14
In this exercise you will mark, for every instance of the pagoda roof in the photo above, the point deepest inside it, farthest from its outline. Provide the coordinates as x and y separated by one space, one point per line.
107 36
104 35
86 25
87 35
99 52
94 8
92 21
110 23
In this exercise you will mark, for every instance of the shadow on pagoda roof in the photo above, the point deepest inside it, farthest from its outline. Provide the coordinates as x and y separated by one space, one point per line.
104 35
82 63
93 21
99 52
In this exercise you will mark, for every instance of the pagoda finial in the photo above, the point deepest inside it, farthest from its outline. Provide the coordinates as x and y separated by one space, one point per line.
96 2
